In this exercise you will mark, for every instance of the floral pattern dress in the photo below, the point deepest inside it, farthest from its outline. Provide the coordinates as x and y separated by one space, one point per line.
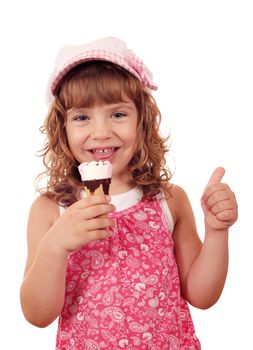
124 292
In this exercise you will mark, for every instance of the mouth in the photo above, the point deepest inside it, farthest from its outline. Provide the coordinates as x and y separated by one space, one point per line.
104 153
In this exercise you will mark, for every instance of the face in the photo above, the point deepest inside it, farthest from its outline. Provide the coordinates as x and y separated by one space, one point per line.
104 132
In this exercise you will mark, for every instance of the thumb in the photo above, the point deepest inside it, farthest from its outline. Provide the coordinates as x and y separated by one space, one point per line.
216 176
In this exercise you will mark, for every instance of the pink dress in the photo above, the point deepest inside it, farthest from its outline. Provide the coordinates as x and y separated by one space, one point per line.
124 292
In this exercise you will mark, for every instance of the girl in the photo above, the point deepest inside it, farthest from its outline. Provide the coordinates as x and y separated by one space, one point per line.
118 270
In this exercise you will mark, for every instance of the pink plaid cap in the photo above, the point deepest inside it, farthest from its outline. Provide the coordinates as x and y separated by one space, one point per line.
106 49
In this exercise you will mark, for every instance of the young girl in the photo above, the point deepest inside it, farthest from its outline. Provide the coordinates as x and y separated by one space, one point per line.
118 270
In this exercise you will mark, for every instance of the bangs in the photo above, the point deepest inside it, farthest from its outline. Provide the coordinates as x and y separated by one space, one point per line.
97 82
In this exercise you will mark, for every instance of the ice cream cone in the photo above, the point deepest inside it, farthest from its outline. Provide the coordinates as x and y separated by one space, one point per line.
98 191
96 177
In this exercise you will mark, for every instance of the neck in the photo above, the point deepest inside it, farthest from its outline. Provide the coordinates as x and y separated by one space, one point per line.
118 187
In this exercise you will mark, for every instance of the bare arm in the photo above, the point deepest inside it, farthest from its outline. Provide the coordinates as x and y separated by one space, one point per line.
203 267
50 239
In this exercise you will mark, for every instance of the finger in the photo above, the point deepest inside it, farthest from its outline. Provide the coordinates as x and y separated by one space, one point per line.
216 176
96 211
100 234
212 198
99 223
227 216
92 200
214 191
222 207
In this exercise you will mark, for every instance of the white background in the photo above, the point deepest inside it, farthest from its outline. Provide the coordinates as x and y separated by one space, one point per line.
201 56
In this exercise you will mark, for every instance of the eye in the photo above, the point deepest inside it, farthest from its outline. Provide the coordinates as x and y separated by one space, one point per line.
118 115
80 117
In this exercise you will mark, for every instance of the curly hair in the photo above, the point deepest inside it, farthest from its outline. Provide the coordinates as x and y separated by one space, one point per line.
90 84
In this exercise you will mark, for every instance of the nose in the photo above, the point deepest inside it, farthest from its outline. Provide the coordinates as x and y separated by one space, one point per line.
101 130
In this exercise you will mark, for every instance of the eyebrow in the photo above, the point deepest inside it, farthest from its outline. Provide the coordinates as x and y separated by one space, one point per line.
121 105
109 107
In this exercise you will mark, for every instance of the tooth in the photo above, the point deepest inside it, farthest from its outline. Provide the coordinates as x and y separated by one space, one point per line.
103 150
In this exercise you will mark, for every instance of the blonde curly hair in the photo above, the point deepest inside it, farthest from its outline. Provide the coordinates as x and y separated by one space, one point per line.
87 85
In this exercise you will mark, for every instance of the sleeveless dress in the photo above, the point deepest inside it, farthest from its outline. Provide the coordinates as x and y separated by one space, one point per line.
124 292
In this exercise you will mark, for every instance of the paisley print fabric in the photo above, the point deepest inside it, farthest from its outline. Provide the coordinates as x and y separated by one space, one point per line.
124 292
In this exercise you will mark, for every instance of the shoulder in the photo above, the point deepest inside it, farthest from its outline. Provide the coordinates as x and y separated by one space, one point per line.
177 201
45 204
46 207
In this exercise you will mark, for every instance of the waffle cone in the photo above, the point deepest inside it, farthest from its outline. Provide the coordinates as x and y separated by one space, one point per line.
98 191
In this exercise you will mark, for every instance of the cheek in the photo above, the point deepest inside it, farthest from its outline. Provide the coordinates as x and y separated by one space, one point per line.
134 140
75 137
130 135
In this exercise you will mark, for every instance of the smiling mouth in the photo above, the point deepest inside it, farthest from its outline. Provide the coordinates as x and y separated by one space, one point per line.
103 153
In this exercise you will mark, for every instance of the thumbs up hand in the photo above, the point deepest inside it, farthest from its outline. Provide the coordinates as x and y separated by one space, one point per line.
219 203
